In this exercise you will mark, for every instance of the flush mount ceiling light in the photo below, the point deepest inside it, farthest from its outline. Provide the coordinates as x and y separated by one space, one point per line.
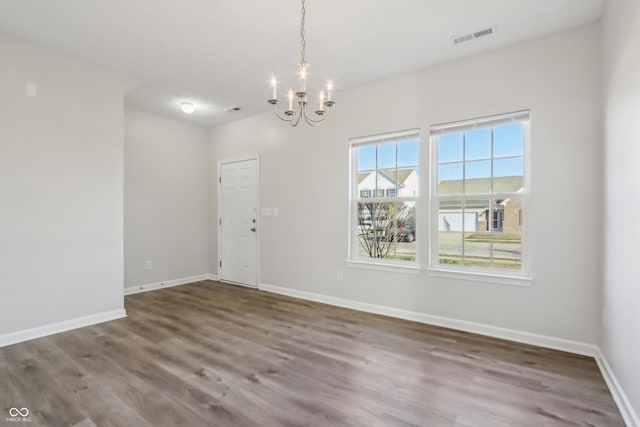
187 107
301 96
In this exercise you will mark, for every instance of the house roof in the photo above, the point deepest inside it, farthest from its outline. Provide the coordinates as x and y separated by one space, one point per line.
505 184
395 176
399 175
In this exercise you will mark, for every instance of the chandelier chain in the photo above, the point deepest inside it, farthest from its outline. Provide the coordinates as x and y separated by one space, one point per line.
303 42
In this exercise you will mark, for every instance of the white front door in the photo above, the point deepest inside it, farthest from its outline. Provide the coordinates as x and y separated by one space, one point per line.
237 222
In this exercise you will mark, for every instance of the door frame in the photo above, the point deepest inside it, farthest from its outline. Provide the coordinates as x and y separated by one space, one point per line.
217 184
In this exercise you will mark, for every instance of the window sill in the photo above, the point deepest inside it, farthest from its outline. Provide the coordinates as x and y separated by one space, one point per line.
395 268
481 277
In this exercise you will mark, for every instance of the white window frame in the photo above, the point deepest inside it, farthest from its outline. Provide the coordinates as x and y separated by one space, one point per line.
411 267
522 277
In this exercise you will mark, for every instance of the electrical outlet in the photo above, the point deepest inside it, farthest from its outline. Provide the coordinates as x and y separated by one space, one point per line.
148 265
340 276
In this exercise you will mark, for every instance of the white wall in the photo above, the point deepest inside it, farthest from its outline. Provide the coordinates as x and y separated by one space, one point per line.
166 213
621 64
61 195
304 172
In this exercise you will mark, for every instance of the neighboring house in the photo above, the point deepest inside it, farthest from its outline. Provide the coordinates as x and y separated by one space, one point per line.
388 183
505 215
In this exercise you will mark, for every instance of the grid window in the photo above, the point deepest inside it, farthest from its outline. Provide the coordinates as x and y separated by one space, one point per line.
479 190
384 198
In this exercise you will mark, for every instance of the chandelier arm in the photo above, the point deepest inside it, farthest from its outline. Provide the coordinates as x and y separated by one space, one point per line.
295 122
310 120
283 118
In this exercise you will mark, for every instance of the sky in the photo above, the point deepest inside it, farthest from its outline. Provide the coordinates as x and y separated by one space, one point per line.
386 158
508 150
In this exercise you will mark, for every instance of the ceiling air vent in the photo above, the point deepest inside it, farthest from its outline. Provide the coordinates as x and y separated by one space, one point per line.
471 36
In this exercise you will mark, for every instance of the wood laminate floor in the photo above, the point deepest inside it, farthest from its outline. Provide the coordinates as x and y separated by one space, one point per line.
212 354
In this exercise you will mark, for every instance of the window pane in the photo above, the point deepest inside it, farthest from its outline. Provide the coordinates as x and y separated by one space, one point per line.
478 177
508 175
387 156
387 230
478 144
367 226
405 231
450 248
450 147
366 158
508 140
512 215
508 167
408 182
450 216
507 251
477 244
384 181
408 153
477 250
475 216
366 183
450 179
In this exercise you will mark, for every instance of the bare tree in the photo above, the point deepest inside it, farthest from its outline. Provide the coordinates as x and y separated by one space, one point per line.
378 227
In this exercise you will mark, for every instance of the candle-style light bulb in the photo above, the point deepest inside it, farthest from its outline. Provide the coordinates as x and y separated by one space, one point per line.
329 89
274 84
290 99
321 100
303 79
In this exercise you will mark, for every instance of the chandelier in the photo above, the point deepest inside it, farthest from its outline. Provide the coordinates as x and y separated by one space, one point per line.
300 99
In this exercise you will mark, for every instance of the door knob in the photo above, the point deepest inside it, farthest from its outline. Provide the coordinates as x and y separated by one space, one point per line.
253 229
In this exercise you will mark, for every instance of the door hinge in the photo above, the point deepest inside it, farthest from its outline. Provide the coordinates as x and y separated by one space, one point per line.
221 263
220 221
220 179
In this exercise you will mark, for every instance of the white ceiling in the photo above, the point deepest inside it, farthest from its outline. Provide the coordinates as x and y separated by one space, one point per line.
221 53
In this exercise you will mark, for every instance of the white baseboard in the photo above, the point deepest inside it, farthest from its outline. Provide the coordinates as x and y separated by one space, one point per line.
619 396
213 277
447 322
168 283
56 328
